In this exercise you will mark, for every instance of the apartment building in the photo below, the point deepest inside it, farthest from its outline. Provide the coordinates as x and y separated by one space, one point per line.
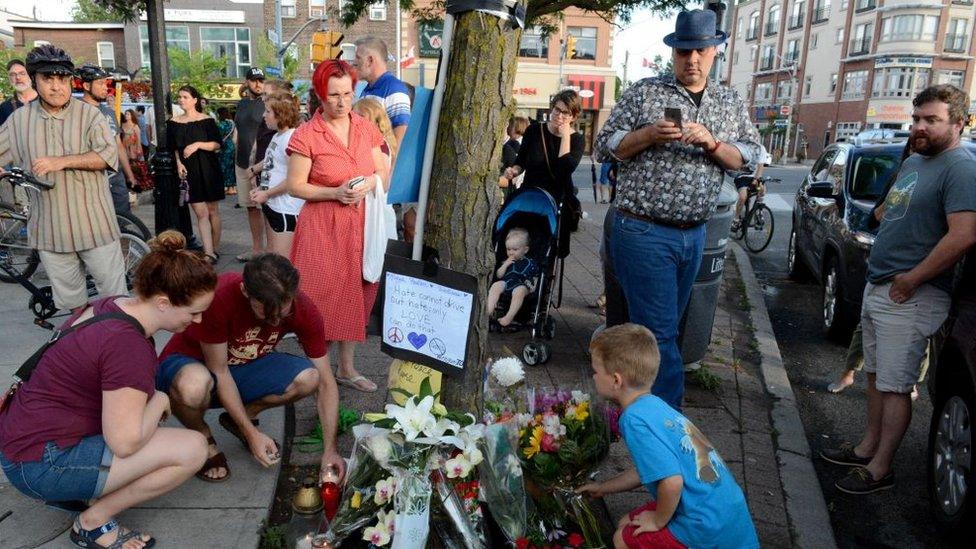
541 73
101 44
832 68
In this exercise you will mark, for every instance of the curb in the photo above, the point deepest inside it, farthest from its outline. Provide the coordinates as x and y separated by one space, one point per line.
805 504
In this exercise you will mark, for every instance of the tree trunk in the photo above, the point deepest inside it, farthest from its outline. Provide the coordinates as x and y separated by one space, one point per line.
464 194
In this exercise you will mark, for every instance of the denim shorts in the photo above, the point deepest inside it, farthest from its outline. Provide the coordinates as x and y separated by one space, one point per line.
78 472
269 375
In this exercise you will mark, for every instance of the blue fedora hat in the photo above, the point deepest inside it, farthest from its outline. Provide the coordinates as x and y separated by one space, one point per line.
695 29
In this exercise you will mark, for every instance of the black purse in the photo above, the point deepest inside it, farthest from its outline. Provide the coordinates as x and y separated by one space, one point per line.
23 374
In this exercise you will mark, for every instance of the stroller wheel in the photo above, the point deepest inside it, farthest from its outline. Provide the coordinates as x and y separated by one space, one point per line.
549 328
536 352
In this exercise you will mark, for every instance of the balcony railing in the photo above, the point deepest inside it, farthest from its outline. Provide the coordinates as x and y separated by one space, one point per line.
772 28
956 43
821 14
752 33
860 46
790 58
766 63
795 21
864 5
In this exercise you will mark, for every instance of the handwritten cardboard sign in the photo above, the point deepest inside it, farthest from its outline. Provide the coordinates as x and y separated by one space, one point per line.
408 376
427 317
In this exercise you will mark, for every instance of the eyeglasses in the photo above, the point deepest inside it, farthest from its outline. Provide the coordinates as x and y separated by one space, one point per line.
17 74
564 112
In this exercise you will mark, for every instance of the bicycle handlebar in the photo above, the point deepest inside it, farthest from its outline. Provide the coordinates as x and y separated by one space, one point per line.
765 179
18 176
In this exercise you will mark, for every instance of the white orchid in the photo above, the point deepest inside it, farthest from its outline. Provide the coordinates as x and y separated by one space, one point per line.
385 489
508 371
413 418
458 466
380 533
475 456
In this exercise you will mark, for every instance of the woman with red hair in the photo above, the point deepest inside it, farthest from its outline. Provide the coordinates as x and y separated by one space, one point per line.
334 161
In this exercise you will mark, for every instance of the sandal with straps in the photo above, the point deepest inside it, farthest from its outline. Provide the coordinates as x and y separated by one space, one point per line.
216 461
86 538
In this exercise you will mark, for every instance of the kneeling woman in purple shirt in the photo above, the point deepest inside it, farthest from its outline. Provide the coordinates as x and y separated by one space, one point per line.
86 426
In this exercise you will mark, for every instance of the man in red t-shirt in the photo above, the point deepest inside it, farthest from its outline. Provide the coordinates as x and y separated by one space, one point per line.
228 360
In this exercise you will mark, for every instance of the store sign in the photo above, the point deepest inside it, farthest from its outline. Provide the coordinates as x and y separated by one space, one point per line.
766 112
903 61
431 38
525 91
200 16
890 113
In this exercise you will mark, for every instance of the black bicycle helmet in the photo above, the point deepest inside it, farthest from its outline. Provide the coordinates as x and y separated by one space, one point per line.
48 59
89 73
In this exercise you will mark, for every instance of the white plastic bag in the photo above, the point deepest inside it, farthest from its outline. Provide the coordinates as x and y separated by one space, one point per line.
375 233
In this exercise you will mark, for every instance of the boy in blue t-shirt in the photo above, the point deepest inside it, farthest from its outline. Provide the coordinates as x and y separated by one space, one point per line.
696 501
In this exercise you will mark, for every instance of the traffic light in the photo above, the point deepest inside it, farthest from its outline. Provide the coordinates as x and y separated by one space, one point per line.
325 45
571 47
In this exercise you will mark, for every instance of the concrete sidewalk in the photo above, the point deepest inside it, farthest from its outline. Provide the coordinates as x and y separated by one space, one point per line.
196 515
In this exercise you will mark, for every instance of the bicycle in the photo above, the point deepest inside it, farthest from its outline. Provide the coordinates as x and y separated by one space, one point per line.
18 260
755 226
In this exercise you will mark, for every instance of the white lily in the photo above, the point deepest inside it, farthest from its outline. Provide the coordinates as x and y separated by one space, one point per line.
413 418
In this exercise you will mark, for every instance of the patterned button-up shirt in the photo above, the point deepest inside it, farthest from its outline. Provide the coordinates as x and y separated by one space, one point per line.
675 183
77 214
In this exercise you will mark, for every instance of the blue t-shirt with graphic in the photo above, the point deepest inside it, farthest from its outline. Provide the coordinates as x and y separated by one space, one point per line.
663 443
926 190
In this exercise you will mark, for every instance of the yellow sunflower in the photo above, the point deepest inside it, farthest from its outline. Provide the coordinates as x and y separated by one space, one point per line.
535 443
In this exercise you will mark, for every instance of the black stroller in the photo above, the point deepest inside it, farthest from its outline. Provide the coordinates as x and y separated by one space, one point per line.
534 210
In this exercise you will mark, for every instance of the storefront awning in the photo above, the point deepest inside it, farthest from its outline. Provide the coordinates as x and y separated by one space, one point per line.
592 89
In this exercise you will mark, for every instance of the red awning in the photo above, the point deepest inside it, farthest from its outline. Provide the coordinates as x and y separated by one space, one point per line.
595 84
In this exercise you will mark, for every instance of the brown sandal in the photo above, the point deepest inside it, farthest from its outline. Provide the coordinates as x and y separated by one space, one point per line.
216 461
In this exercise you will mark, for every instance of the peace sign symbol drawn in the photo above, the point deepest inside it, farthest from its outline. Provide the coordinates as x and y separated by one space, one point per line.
395 335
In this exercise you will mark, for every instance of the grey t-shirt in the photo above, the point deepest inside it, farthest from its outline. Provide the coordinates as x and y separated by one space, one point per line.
248 119
115 175
926 191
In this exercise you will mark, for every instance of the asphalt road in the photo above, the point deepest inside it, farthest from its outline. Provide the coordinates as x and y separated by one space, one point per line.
898 517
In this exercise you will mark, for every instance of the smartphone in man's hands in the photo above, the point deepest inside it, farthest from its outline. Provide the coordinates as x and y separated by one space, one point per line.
673 115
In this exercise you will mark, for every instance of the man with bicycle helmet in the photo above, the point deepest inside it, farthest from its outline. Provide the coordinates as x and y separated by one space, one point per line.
67 142
94 83
743 181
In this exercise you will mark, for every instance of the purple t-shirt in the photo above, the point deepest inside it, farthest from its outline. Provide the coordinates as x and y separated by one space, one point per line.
62 402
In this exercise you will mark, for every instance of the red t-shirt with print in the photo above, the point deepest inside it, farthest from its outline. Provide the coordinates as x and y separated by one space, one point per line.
231 320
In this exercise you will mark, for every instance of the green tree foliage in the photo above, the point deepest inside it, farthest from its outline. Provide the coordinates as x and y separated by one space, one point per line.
91 11
266 55
200 69
663 69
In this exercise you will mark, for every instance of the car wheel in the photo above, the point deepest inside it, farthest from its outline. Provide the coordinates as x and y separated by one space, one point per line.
836 322
794 265
950 457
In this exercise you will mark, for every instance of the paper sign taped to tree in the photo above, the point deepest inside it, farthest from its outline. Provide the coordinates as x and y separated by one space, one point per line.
427 315
408 376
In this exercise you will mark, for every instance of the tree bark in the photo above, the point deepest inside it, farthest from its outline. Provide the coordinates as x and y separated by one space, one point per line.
464 194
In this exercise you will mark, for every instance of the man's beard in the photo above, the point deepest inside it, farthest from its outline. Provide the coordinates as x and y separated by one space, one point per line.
22 88
933 144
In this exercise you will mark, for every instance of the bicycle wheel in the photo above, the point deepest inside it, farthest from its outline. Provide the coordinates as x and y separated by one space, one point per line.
129 222
15 252
134 249
758 228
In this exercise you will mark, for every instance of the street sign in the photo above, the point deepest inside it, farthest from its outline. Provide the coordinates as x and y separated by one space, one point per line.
273 36
273 71
779 122
785 110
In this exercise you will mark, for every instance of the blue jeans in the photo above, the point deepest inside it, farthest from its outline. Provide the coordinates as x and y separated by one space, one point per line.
656 266
77 472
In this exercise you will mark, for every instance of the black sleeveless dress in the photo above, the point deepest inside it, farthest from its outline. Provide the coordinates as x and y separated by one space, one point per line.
202 167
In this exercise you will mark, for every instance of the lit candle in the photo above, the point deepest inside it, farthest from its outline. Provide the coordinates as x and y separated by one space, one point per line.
304 543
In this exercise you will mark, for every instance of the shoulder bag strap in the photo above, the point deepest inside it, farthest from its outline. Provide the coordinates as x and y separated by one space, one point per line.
545 151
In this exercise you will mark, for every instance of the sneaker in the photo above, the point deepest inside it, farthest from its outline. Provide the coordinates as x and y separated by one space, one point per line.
859 482
844 456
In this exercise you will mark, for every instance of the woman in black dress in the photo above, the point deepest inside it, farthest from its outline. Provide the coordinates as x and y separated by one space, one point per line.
195 138
549 155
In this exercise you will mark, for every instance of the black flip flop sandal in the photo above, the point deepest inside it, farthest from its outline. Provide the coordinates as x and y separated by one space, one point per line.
216 461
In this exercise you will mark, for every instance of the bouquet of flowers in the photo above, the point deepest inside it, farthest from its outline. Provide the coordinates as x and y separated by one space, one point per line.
502 484
503 390
561 441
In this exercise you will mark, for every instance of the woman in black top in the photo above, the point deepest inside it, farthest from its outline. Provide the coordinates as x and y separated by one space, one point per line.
553 171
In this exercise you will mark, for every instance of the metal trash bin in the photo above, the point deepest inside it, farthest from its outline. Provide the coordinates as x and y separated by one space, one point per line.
695 329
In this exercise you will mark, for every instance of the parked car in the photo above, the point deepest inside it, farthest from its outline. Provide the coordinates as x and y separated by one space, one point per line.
880 135
952 386
831 236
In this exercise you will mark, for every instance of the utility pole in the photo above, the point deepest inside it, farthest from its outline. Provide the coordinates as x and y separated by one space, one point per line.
794 88
278 31
626 83
166 193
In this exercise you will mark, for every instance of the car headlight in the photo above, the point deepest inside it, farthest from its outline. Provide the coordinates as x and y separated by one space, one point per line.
864 238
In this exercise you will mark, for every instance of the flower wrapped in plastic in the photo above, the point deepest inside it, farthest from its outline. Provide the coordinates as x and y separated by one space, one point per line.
502 484
503 390
562 440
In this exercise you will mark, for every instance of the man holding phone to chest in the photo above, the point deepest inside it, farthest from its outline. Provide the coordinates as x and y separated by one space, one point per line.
674 138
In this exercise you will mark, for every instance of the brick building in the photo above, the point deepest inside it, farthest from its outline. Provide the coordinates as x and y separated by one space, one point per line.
380 20
540 73
846 65
100 44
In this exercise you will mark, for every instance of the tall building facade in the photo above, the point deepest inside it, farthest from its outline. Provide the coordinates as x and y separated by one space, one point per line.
828 69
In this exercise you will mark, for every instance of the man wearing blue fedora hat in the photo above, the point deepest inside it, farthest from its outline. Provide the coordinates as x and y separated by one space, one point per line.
673 137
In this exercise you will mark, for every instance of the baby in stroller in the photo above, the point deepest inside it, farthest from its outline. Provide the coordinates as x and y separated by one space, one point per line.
517 276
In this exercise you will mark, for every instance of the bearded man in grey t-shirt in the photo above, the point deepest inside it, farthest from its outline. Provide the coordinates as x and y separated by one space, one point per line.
928 222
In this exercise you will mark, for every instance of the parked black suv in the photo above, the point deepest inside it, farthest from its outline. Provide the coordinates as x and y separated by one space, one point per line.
831 238
952 386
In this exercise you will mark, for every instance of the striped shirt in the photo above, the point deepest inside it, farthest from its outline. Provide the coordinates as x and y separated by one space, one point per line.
393 95
77 214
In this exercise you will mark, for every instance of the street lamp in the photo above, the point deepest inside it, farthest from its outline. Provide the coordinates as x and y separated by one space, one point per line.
791 67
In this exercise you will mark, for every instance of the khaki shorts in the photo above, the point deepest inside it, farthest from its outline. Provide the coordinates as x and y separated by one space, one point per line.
244 188
896 334
67 274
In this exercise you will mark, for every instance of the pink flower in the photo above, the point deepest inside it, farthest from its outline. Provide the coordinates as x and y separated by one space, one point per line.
549 443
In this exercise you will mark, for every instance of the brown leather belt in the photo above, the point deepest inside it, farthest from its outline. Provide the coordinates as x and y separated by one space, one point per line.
656 221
